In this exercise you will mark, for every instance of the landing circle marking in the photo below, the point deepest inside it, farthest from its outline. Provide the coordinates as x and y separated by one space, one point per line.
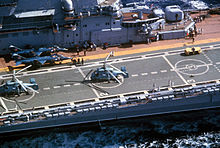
192 67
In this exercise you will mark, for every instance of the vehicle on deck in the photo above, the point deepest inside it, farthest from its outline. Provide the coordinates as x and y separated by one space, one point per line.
192 51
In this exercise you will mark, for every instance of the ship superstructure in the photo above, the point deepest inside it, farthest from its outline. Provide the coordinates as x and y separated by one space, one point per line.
68 23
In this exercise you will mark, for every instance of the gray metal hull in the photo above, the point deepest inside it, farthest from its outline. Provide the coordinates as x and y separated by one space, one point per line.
200 102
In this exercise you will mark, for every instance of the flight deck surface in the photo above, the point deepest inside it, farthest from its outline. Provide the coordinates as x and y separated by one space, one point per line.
63 84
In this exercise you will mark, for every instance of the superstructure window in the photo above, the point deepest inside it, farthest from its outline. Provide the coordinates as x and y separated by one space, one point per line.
25 33
85 25
107 23
15 34
4 36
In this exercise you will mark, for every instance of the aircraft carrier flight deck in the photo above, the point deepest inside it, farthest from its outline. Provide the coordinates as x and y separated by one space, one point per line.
65 83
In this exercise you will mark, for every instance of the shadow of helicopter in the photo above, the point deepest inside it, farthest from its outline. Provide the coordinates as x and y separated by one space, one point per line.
88 83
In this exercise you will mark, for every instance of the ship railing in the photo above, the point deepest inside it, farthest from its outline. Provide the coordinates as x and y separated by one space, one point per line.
165 97
19 26
110 102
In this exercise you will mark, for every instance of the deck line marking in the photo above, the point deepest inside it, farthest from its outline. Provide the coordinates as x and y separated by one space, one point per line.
216 68
47 88
144 74
56 87
76 84
163 71
3 104
134 75
217 63
175 70
154 72
207 58
96 93
68 85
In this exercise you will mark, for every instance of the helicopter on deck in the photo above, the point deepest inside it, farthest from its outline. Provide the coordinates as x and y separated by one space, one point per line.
108 72
16 87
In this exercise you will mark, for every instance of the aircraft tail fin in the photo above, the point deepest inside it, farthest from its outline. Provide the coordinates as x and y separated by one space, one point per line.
17 57
13 48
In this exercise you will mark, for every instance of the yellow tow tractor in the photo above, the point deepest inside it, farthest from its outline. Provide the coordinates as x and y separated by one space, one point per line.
193 51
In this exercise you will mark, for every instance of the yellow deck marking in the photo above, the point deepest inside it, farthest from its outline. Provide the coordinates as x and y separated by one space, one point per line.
133 51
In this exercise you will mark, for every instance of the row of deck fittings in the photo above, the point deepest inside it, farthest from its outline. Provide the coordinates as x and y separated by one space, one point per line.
113 102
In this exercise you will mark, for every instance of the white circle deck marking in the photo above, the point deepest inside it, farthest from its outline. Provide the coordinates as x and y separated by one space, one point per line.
191 66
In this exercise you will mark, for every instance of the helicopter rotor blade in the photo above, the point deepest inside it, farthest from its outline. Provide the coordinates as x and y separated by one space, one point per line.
31 89
2 104
110 54
21 83
113 76
96 88
88 74
117 69
23 69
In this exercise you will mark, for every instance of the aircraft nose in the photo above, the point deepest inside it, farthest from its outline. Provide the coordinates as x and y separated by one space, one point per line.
66 58
63 49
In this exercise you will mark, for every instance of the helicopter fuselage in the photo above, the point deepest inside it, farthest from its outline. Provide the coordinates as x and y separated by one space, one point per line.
14 88
103 74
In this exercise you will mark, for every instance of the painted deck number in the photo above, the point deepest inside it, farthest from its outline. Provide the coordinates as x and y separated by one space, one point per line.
103 94
191 81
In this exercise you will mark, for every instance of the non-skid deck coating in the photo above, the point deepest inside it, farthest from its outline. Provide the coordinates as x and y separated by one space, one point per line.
146 71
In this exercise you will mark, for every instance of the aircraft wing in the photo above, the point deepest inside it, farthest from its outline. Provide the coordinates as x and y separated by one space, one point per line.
42 61
18 63
38 53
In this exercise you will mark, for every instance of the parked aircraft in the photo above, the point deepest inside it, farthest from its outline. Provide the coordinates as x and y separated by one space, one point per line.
35 52
39 61
108 72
